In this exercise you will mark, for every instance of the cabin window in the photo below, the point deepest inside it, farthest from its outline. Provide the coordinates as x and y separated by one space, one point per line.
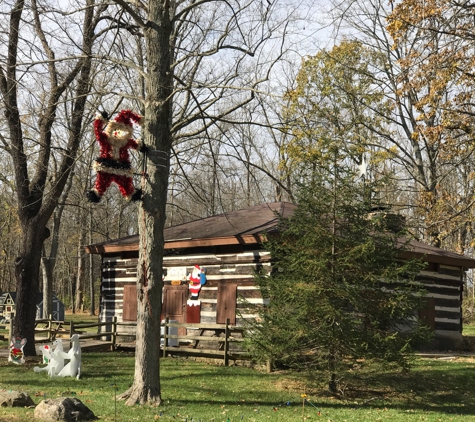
427 313
129 310
226 303
9 308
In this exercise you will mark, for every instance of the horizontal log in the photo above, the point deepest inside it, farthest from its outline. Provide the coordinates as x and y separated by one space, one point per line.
202 326
45 320
87 336
198 351
205 338
126 324
89 325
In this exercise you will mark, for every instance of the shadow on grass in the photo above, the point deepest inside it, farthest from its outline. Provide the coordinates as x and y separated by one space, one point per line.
432 385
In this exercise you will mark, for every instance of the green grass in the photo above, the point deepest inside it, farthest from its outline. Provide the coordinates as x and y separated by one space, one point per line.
82 318
435 390
469 330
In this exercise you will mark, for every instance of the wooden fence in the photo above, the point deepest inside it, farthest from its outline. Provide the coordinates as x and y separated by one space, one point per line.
223 337
175 338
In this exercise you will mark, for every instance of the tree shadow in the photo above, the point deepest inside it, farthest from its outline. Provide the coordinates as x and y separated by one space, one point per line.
432 385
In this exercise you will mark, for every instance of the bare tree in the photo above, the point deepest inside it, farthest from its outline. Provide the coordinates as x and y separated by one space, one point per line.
203 61
48 260
30 118
422 137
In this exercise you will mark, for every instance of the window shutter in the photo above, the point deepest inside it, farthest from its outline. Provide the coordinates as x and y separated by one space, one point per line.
129 309
427 313
226 303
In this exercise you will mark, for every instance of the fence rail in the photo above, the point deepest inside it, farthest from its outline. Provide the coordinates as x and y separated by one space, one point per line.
173 336
224 342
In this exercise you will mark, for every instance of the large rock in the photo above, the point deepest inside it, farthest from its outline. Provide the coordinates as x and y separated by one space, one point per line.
15 399
63 409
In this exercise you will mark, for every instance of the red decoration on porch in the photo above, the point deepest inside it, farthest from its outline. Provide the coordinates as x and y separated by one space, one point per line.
113 164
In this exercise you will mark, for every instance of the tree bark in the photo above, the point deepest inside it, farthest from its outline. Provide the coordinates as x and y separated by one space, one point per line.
47 266
27 266
49 262
92 308
157 135
81 264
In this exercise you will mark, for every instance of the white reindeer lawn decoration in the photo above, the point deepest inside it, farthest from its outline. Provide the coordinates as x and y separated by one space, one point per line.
73 368
56 359
53 358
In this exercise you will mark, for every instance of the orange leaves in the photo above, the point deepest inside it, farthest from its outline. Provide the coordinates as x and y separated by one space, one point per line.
409 13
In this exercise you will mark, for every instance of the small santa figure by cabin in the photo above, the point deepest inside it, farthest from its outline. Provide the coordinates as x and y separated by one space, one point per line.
197 278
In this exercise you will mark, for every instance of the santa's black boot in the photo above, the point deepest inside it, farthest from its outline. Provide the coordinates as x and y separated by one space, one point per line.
137 196
92 196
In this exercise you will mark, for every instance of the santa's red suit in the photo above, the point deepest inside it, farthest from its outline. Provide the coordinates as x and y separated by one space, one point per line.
113 164
195 282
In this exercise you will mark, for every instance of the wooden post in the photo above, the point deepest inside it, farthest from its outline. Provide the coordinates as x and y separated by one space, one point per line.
10 328
165 337
269 366
71 332
114 333
50 326
226 343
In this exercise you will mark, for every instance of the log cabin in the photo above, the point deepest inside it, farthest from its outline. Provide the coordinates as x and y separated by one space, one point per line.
230 248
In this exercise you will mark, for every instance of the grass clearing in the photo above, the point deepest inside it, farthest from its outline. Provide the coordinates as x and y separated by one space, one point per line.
435 390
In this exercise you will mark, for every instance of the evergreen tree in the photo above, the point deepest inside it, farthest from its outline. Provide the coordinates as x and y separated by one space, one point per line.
338 290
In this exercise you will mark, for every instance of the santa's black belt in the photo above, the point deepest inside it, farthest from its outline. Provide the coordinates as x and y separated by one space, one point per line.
108 162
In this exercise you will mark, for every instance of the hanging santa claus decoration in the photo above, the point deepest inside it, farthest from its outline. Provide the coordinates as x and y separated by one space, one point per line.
113 164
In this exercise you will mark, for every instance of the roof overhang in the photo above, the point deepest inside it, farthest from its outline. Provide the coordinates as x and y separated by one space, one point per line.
249 239
439 259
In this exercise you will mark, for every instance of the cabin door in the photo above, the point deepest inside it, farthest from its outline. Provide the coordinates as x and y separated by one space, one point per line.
174 304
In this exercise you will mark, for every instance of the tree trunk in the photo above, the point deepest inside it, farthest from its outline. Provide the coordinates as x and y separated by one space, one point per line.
47 266
49 262
157 135
81 267
92 309
72 289
80 280
27 268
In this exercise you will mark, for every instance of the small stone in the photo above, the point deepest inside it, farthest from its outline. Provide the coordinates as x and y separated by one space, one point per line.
15 399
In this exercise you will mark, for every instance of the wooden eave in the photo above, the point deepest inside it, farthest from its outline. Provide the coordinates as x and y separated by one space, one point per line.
465 263
250 239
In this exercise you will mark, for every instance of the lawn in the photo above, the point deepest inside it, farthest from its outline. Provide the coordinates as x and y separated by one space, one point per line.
469 330
435 390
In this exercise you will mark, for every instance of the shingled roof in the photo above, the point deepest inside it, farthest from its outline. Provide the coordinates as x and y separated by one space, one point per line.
247 226
244 226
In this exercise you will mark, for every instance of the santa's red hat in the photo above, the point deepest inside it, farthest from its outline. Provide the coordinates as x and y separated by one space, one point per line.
127 117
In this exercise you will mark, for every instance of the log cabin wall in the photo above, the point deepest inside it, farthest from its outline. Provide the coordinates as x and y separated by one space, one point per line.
230 278
117 272
444 285
232 273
